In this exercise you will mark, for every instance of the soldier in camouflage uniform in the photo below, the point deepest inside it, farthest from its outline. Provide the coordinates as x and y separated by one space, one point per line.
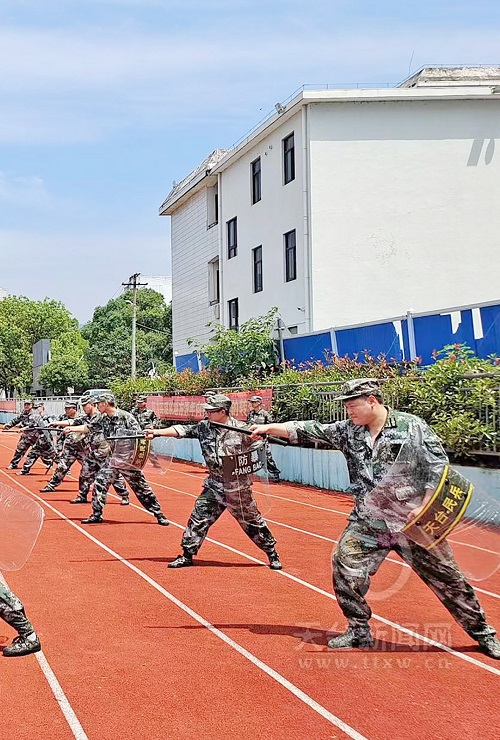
70 412
71 448
28 437
12 612
259 415
370 440
215 496
144 416
44 446
97 452
110 423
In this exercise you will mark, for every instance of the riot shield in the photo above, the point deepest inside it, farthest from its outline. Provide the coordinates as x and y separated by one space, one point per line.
244 476
435 507
135 452
21 520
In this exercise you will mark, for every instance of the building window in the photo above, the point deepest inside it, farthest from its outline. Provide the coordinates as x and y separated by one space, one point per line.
256 181
288 159
213 282
232 238
258 285
290 256
212 206
233 314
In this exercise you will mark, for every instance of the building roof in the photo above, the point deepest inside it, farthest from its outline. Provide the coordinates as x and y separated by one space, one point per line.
203 169
429 83
453 76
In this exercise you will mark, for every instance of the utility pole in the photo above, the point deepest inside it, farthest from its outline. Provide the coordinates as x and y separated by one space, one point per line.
279 328
134 284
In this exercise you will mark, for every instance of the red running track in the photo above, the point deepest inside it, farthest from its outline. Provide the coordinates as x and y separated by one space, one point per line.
229 649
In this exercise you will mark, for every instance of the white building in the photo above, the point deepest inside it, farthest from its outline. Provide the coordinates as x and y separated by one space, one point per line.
345 206
160 283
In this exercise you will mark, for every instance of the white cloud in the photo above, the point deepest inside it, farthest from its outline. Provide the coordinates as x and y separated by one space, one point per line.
28 191
78 85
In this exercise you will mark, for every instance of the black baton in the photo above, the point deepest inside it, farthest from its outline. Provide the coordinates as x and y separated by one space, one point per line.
244 430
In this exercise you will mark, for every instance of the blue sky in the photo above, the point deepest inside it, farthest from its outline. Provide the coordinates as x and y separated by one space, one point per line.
106 102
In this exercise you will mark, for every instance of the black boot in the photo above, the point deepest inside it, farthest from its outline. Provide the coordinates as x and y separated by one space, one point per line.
274 561
162 519
182 561
23 472
12 467
20 645
47 488
79 500
93 519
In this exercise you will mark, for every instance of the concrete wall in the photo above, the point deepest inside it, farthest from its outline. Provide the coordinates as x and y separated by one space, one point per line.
327 469
404 200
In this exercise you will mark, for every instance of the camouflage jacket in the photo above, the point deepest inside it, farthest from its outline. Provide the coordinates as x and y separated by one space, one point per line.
22 420
72 442
216 443
31 426
368 463
121 422
94 440
259 417
146 418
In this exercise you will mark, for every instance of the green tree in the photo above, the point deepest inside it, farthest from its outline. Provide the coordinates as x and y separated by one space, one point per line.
109 337
68 365
22 323
249 350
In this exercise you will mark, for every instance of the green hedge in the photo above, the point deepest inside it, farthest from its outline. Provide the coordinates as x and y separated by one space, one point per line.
463 410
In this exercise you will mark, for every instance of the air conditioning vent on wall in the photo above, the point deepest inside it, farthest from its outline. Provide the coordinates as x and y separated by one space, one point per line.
217 311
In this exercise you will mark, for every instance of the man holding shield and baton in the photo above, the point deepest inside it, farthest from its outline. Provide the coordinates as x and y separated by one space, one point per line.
112 421
371 441
217 494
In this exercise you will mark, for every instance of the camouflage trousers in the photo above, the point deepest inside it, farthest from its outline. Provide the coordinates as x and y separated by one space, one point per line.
12 611
43 448
90 468
272 468
66 460
212 502
361 551
135 478
22 447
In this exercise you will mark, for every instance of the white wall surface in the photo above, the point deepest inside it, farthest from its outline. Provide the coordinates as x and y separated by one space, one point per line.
160 283
405 207
264 223
193 246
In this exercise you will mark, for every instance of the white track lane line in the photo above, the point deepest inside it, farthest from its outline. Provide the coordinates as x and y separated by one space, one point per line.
334 511
318 590
400 563
305 698
59 694
395 561
395 625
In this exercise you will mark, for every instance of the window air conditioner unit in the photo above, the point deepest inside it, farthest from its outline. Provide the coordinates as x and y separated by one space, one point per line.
217 311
